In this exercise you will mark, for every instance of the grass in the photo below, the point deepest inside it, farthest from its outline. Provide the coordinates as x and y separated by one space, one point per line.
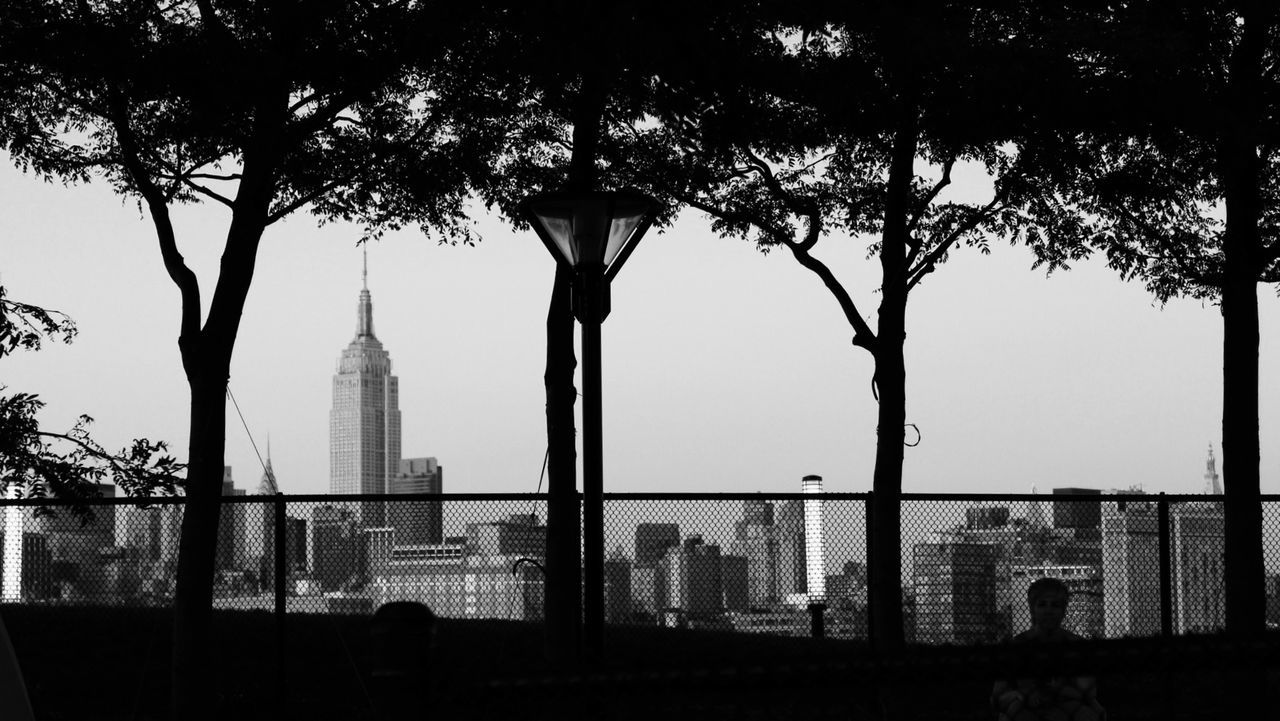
112 664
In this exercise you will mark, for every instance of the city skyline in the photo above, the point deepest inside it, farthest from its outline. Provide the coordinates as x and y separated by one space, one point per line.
1013 380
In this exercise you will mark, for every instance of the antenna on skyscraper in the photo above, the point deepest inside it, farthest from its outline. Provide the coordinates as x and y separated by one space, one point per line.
364 274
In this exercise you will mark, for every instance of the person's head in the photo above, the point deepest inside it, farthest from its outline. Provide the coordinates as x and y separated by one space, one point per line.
1047 598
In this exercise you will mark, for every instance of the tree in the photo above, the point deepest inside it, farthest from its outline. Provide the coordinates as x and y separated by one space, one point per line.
38 463
562 85
265 108
852 120
1172 171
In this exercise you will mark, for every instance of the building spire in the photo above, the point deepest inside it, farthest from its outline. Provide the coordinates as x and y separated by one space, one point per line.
364 313
267 486
1211 483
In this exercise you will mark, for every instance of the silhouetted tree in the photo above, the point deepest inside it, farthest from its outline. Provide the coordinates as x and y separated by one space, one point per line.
561 81
39 463
265 108
852 120
1168 163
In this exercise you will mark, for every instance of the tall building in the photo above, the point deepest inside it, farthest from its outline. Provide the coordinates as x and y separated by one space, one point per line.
756 540
1197 549
774 547
417 522
1130 566
266 523
1085 513
364 423
956 592
617 588
653 540
336 559
793 579
688 579
231 528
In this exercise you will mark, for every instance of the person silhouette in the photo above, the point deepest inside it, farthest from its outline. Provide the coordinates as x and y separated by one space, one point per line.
1058 698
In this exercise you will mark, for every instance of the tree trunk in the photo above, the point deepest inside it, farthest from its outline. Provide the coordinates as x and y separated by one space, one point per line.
193 672
890 379
206 359
564 567
1245 602
564 579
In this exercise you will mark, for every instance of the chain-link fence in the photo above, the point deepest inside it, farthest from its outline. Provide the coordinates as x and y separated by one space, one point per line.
723 578
783 564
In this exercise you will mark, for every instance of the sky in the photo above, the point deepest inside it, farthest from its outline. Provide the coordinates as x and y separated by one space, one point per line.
724 369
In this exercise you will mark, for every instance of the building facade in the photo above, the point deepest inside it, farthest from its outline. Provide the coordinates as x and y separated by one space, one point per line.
1130 566
417 522
956 592
364 422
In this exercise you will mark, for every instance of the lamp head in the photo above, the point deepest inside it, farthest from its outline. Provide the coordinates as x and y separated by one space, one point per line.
590 230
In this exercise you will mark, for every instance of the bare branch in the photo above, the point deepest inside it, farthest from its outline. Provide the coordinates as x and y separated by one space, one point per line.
209 193
203 176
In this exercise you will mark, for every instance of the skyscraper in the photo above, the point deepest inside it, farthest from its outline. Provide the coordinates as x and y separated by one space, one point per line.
417 522
364 423
1130 565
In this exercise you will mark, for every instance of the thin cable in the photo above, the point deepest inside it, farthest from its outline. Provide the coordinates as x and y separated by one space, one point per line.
545 456
246 428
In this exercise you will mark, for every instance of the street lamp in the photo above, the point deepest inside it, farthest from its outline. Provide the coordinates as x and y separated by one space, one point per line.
593 233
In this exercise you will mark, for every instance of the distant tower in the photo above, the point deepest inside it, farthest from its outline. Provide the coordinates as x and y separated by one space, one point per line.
364 423
1211 483
814 552
267 485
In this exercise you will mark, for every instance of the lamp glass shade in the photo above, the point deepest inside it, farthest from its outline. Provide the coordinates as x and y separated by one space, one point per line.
589 229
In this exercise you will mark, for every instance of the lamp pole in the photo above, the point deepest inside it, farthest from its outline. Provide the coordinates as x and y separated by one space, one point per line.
593 233
592 289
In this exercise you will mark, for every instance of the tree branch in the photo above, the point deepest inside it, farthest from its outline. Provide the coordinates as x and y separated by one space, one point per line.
174 264
926 266
863 336
923 208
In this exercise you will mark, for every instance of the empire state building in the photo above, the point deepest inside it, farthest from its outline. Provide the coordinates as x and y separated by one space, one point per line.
364 423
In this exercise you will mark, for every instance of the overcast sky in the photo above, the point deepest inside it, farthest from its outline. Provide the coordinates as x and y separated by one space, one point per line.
723 369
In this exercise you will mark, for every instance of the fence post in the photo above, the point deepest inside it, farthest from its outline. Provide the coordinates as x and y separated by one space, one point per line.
281 554
1166 575
871 605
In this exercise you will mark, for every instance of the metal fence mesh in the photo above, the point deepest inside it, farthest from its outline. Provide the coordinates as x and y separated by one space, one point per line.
746 563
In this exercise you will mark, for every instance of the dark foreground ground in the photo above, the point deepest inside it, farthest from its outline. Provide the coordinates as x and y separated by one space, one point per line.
112 664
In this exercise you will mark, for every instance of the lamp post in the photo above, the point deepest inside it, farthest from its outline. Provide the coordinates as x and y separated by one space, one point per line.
593 233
